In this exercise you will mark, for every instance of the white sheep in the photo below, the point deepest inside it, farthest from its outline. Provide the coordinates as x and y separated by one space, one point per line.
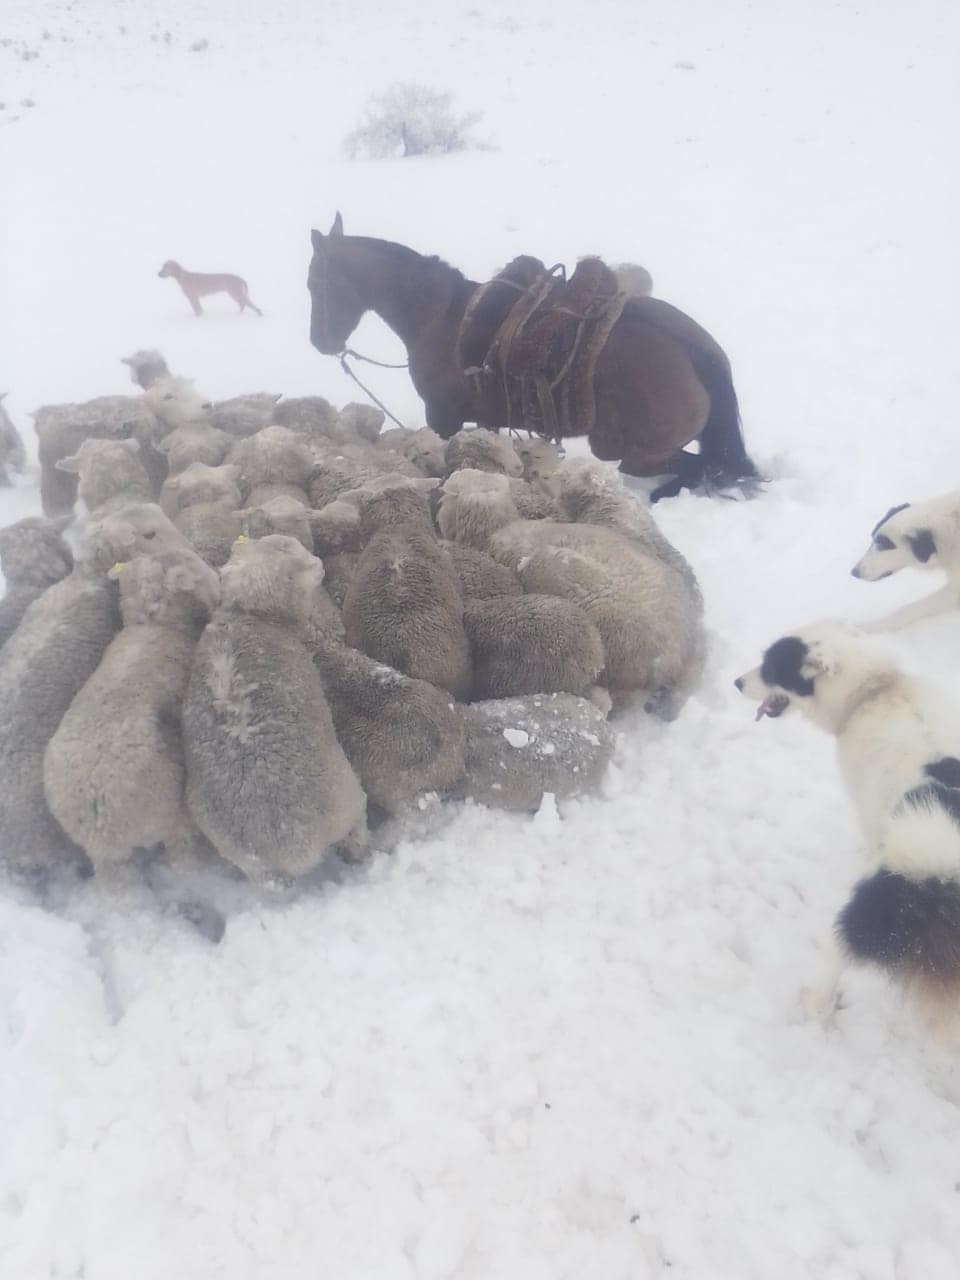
54 651
243 416
482 450
283 515
113 772
647 610
404 606
519 749
268 783
481 577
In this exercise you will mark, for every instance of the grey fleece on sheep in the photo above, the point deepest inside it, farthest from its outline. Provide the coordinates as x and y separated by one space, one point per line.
202 503
531 644
49 658
482 450
114 773
404 606
273 461
109 471
33 556
62 428
403 737
481 577
268 783
518 749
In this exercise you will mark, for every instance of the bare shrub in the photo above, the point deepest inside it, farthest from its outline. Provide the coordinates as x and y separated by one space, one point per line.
411 120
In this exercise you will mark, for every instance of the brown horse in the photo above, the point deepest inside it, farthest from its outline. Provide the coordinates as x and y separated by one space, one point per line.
661 381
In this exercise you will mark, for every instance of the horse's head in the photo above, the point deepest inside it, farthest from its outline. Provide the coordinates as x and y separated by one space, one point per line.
336 304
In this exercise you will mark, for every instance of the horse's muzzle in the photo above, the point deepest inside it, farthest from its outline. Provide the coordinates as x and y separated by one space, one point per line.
324 345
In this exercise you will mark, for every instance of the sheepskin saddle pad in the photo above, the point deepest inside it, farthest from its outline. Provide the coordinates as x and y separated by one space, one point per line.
539 335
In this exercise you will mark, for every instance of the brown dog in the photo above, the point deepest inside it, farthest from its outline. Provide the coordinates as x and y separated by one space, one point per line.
197 284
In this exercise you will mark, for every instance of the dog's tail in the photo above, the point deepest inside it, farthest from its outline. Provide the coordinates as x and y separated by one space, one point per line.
909 927
723 452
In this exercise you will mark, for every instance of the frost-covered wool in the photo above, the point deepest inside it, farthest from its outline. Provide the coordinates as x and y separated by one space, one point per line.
203 503
335 528
360 421
424 448
591 493
283 515
518 749
531 644
268 783
196 442
275 456
482 450
308 416
33 556
403 737
62 428
108 471
243 416
404 606
113 772
48 659
481 577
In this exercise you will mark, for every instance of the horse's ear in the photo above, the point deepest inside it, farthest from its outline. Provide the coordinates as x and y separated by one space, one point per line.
337 228
316 239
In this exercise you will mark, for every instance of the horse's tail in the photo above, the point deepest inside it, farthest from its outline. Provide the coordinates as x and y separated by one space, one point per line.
722 448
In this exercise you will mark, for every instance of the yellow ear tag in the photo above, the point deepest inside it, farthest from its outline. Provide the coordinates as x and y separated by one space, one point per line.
117 567
240 538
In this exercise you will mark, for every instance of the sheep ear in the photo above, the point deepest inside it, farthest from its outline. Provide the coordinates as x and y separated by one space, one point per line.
337 229
68 464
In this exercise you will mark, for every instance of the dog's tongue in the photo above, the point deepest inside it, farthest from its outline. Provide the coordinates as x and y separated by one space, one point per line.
772 705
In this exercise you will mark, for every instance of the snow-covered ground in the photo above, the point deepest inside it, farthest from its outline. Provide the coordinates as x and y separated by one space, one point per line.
531 1048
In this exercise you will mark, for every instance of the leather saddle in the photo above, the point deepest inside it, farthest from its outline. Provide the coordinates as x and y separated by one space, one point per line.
539 335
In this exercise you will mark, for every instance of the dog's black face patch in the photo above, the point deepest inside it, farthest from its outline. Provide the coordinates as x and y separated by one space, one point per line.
882 542
782 665
892 512
945 771
922 544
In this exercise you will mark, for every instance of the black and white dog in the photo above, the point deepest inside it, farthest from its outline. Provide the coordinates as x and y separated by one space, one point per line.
898 744
923 536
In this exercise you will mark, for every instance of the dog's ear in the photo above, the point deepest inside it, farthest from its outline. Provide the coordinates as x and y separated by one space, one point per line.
337 228
316 239
922 544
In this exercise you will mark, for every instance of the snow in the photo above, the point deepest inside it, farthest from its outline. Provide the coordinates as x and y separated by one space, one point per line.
567 1045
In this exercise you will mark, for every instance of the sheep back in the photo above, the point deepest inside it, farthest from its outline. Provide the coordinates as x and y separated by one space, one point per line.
52 654
403 737
531 644
268 783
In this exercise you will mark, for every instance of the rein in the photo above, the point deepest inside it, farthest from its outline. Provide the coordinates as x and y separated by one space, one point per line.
366 390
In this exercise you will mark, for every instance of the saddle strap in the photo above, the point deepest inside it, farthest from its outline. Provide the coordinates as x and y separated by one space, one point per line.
498 355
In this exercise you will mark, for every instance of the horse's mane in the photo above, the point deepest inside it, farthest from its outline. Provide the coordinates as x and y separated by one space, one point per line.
402 254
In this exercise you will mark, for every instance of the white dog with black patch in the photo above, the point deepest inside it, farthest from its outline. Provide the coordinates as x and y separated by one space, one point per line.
898 744
922 536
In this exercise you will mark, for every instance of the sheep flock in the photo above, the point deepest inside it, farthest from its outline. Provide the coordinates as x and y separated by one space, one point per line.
278 632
